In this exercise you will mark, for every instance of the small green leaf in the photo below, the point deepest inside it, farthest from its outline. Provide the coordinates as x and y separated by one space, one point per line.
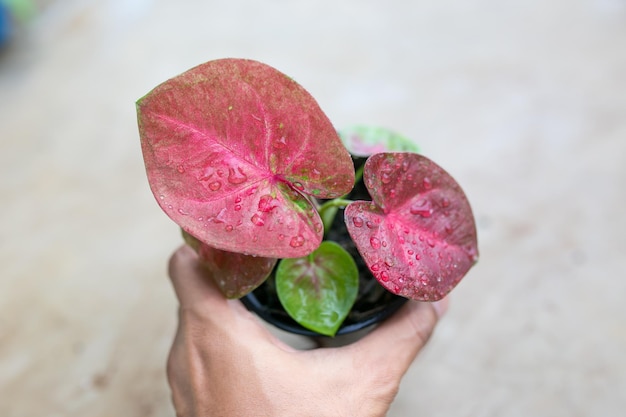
367 140
319 290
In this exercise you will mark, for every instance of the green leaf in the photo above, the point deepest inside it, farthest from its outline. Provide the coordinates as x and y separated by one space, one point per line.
364 141
319 290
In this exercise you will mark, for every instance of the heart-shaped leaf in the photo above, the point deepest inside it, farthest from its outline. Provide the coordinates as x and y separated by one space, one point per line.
418 235
364 140
234 273
232 148
318 290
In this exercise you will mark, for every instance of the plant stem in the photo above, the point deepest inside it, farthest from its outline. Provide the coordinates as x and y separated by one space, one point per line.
328 210
358 174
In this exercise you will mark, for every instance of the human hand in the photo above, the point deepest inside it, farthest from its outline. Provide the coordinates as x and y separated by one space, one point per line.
225 363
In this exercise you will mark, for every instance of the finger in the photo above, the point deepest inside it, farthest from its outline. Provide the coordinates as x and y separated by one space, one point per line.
192 283
398 340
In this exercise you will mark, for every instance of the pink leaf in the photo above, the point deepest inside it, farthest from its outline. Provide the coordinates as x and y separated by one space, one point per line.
234 273
232 148
418 235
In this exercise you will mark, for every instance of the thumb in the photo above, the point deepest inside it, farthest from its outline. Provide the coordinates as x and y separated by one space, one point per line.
398 340
192 283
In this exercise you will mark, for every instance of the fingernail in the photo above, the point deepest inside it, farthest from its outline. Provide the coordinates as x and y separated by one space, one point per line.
441 306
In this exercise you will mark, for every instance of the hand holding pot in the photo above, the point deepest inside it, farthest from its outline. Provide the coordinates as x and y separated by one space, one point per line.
225 363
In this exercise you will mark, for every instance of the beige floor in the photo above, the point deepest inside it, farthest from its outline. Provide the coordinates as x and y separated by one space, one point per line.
524 102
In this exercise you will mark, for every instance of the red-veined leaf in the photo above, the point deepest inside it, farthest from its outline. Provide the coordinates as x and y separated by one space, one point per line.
234 273
418 235
232 148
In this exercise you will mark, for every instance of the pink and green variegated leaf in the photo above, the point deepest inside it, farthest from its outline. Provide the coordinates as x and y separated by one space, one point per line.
363 140
418 235
235 274
233 148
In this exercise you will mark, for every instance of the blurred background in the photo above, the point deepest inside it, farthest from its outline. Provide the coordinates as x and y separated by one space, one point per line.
523 102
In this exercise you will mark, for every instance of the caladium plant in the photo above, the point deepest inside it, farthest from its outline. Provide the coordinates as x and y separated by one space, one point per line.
243 159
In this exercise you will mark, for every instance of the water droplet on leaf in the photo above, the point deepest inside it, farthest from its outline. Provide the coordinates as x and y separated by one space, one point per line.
375 242
257 220
280 143
296 241
215 185
357 221
236 176
267 203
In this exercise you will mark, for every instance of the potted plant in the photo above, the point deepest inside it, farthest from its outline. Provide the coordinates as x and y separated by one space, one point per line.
242 158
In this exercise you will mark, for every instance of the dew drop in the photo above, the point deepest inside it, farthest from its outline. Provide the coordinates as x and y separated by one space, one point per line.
257 220
296 241
384 276
375 268
431 243
236 176
238 199
445 202
357 221
389 262
161 197
220 216
180 169
315 174
448 229
200 218
439 278
229 228
375 242
384 243
410 252
369 225
280 143
405 165
267 203
385 177
421 211
427 184
392 193
298 186
237 207
281 237
215 185
418 257
183 212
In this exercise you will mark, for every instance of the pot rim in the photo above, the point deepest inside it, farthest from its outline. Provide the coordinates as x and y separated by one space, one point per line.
252 303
